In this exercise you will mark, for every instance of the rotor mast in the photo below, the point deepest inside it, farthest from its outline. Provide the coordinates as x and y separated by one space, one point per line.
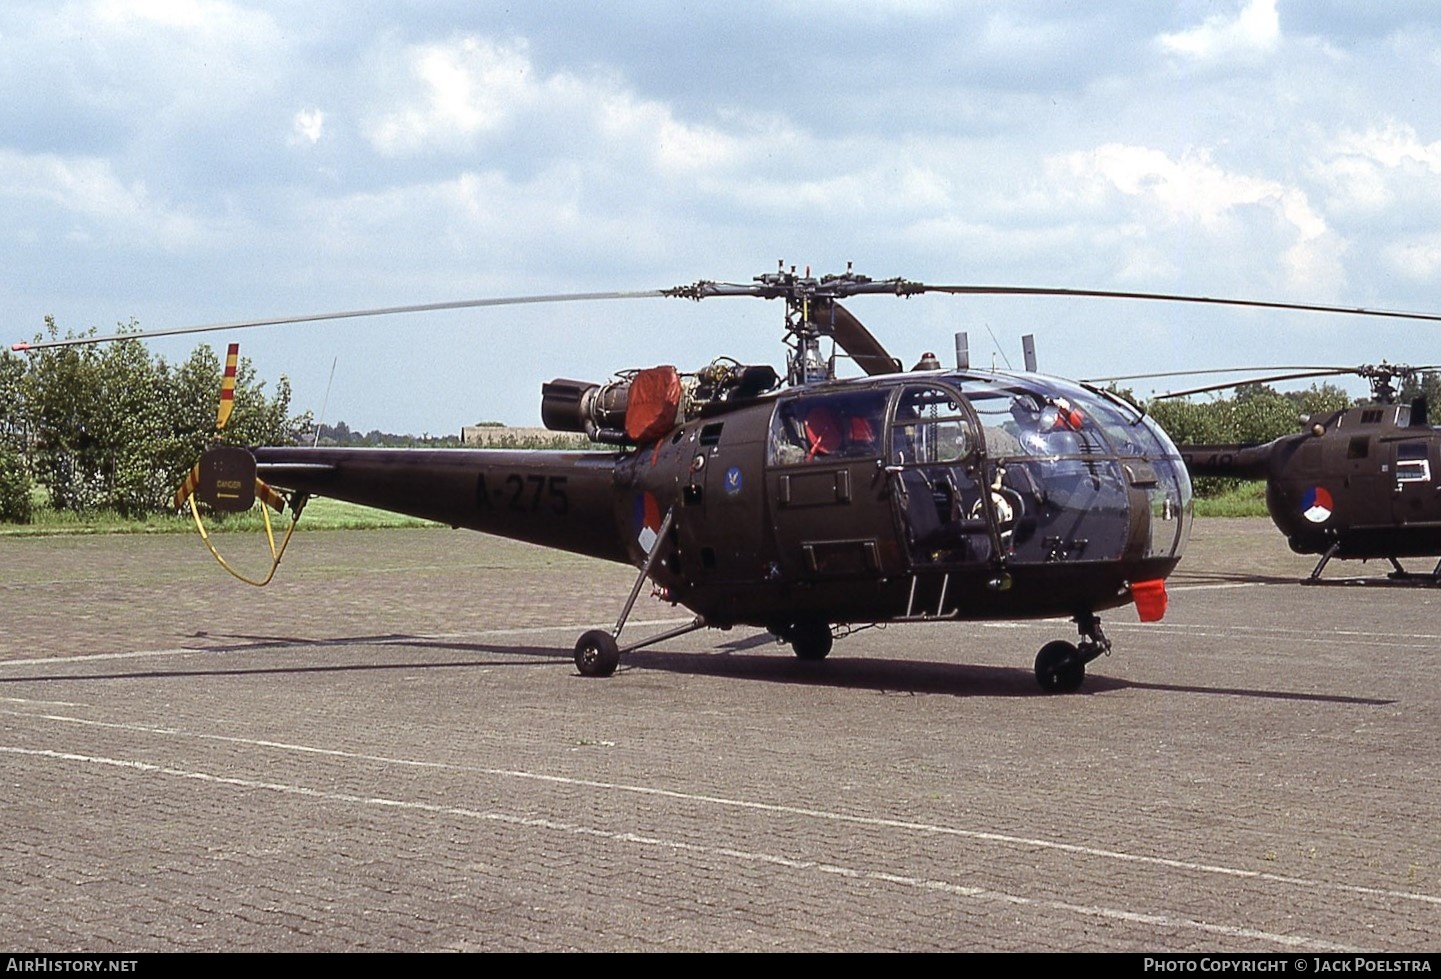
811 310
1380 377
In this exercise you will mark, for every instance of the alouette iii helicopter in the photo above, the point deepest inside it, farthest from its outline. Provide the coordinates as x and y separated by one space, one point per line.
809 508
1355 484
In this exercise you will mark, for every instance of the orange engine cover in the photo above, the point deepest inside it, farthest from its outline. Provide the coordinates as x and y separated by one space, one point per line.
654 400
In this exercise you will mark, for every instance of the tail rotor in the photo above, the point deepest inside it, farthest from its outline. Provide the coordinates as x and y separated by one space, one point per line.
224 478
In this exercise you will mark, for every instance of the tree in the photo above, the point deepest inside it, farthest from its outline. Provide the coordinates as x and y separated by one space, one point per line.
16 504
131 412
62 397
1320 399
12 402
117 429
1257 414
1428 386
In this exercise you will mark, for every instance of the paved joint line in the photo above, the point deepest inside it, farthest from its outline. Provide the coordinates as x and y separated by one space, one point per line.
265 644
1356 637
934 829
957 890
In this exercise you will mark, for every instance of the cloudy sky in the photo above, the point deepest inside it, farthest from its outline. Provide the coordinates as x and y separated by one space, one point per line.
196 161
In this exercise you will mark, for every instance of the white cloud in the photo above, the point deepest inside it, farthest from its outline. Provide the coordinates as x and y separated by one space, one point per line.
151 67
213 32
455 91
1190 189
476 220
674 148
1393 145
1374 172
308 126
1386 181
1194 191
188 14
1416 258
1255 28
100 204
465 95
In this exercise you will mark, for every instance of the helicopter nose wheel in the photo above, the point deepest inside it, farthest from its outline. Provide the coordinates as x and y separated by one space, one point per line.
1059 668
810 639
597 653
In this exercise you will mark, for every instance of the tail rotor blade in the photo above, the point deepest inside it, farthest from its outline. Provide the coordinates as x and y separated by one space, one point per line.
269 496
224 478
227 388
188 487
264 492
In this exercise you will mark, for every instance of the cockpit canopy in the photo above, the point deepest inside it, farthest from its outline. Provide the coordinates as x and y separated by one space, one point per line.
1066 472
959 415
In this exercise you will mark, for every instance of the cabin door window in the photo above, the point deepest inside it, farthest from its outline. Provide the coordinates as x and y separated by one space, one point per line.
1412 465
932 459
1413 498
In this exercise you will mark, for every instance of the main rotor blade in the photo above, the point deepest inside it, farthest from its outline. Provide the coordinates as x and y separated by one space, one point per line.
567 297
1258 380
840 287
917 287
1214 370
774 286
862 346
1378 374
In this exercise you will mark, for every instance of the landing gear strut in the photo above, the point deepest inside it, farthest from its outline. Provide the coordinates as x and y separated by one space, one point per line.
597 652
1315 575
1401 574
1397 573
1061 666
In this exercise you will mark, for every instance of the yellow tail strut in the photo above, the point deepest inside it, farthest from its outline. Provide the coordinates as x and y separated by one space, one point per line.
267 496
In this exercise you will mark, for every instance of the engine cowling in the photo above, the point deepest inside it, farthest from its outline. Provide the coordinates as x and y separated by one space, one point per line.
633 410
598 410
644 405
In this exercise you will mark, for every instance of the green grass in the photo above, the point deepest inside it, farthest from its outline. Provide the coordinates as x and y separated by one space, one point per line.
1247 500
320 514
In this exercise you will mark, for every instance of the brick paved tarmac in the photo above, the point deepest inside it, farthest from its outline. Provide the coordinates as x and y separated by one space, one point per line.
390 749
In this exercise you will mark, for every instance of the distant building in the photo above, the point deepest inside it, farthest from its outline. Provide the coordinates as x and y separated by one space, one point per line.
515 437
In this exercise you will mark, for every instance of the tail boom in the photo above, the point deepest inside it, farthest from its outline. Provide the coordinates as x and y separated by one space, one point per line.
1234 461
564 500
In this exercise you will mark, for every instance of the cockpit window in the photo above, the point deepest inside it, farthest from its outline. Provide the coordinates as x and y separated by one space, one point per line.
828 427
930 426
1017 422
1412 466
1130 434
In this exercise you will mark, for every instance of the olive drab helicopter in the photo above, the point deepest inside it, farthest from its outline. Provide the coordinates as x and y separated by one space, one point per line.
812 506
1363 483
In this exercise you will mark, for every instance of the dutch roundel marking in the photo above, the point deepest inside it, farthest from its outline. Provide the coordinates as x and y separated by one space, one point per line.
733 480
1317 505
647 521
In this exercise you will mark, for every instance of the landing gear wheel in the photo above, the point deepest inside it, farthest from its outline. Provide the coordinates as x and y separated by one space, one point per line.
810 639
596 653
1059 668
